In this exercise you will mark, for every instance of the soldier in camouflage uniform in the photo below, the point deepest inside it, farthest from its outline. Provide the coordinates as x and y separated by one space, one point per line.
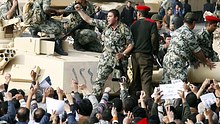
9 9
183 46
117 41
205 38
49 25
85 38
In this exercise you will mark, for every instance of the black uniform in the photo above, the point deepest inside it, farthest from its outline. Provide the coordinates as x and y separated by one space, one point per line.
146 42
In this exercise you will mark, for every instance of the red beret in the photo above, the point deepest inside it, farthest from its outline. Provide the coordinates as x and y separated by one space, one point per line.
143 8
212 19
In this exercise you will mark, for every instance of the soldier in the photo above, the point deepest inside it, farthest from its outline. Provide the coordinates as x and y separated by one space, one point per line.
158 19
118 43
48 25
85 38
183 46
205 38
146 41
9 9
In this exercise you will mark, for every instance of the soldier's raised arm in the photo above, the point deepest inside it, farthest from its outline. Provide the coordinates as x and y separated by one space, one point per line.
83 15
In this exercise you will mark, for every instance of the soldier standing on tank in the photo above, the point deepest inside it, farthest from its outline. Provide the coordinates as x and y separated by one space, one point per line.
205 38
146 39
183 46
118 43
85 38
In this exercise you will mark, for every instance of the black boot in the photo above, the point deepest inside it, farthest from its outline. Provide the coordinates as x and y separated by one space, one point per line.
34 32
58 48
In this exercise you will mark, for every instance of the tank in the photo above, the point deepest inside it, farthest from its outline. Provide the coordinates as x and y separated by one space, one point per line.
37 54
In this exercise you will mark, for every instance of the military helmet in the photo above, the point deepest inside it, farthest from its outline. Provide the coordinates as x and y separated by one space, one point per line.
190 16
157 17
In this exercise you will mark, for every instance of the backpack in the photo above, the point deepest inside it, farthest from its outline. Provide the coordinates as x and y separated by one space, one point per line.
33 13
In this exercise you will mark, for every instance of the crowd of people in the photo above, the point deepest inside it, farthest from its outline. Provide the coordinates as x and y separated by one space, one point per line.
131 34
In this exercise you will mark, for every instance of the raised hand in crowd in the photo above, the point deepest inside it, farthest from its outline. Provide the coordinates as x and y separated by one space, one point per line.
170 115
129 118
114 115
193 88
7 78
216 87
189 122
218 102
208 115
74 85
60 93
200 117
157 97
54 117
142 99
83 88
4 86
8 96
182 96
48 92
205 84
107 90
69 97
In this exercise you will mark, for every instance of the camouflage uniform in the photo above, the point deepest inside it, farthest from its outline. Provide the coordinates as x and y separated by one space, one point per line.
113 41
205 40
5 7
49 25
179 53
86 36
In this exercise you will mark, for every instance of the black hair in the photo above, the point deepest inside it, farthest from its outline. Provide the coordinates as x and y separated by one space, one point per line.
210 23
106 115
191 99
21 92
130 103
13 92
115 13
23 114
139 112
143 13
85 107
117 104
38 114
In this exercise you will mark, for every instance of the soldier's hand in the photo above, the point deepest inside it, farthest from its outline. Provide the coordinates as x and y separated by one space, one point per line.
119 56
77 7
210 64
15 3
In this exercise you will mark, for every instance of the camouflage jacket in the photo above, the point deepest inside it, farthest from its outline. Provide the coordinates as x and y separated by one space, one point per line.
5 7
45 4
184 43
205 41
75 18
114 41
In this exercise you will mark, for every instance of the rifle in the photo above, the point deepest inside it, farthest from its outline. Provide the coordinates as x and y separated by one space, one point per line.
119 67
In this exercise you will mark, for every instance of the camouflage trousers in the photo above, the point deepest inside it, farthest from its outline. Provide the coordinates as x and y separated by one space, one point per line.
106 66
88 40
50 26
174 67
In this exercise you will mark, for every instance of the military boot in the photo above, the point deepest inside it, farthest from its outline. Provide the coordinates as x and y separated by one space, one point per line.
34 32
58 48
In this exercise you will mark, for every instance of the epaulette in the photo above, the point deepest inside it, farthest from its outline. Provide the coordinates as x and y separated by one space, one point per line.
150 20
